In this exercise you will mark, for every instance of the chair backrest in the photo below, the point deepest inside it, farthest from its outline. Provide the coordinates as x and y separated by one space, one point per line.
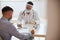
0 38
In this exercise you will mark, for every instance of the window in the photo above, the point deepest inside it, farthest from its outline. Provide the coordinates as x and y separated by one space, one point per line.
39 6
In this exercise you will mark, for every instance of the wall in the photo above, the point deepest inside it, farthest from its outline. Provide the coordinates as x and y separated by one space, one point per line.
53 20
0 10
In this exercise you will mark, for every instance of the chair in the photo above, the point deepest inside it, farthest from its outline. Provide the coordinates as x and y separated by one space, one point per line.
0 38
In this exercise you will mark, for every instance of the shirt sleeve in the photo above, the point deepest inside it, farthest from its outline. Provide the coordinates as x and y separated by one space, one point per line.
13 31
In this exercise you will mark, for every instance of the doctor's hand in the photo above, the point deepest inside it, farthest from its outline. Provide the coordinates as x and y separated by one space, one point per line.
32 32
33 22
19 25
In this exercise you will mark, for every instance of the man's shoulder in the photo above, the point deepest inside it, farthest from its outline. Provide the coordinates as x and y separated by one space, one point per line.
4 22
22 11
34 10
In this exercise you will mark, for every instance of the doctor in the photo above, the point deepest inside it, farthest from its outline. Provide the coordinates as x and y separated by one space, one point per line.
29 16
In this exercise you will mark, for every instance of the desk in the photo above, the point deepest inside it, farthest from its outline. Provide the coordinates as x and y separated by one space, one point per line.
36 36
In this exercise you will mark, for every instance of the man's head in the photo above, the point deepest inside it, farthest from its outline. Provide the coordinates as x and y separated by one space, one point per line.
29 5
7 12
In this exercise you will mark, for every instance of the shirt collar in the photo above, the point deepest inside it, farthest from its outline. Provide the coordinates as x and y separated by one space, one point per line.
4 18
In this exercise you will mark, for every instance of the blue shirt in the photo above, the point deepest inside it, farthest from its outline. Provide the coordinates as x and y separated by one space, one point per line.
7 30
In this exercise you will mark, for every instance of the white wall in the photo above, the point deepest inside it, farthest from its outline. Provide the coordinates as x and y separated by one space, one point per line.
19 0
0 10
39 7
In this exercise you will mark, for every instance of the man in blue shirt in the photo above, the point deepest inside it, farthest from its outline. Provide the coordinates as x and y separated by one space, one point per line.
7 30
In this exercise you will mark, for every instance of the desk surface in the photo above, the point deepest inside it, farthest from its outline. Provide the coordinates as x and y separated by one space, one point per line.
37 35
25 30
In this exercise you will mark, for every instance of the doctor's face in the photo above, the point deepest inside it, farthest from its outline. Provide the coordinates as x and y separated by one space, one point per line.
28 7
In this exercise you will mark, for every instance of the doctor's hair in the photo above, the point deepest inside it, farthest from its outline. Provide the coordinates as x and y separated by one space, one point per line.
6 8
30 2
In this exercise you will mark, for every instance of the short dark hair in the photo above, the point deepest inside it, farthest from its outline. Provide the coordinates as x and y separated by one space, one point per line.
29 2
7 8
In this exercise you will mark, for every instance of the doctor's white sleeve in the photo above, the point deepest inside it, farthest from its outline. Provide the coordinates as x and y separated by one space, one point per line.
37 20
20 17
